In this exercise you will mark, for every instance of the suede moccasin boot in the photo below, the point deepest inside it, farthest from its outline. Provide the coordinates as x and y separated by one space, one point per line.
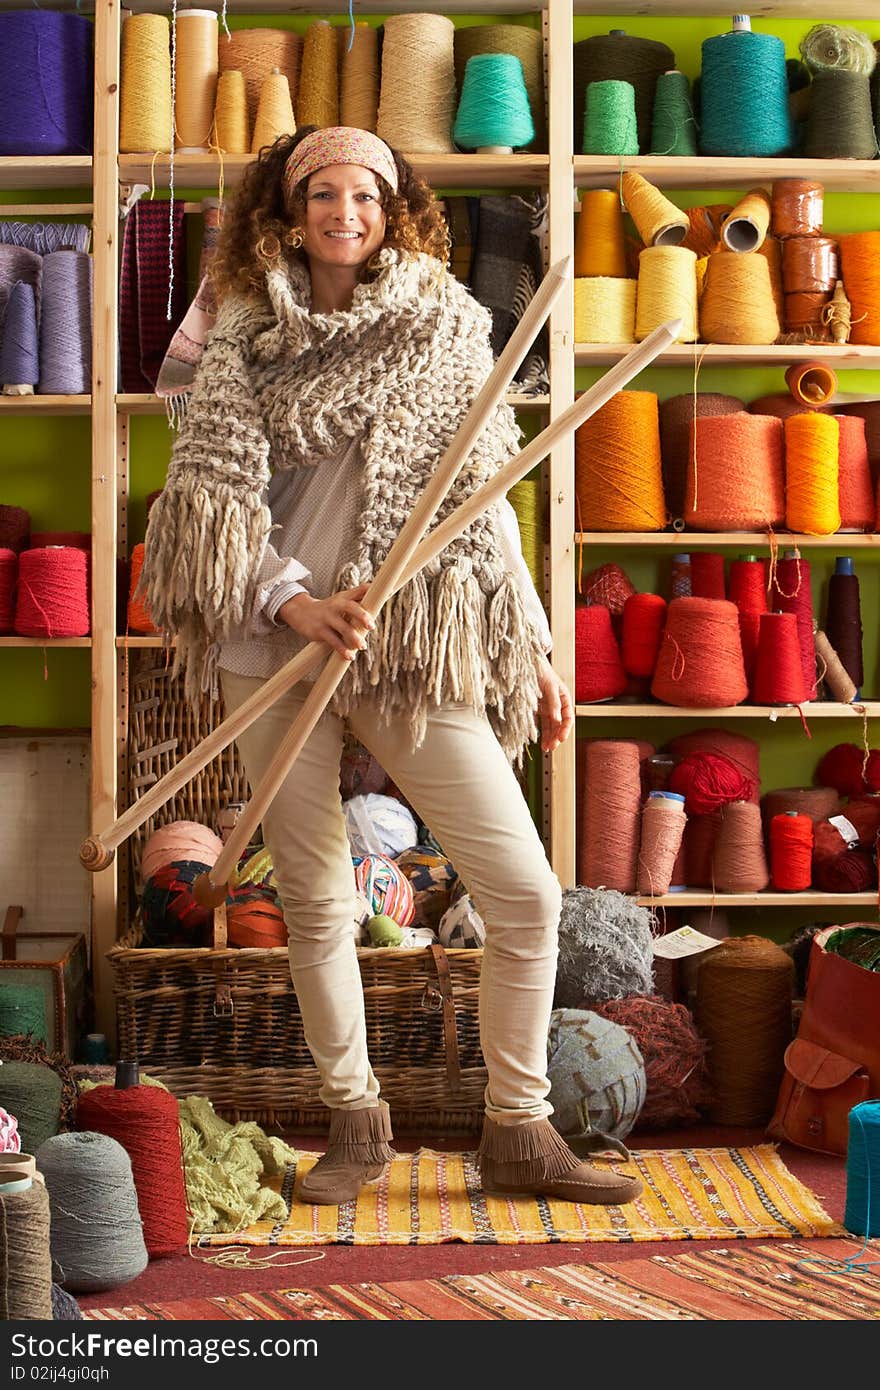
533 1160
357 1152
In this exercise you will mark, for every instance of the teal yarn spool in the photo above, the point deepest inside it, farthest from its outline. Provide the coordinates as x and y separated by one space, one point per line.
674 129
862 1214
744 96
610 119
96 1235
33 1095
494 111
23 1011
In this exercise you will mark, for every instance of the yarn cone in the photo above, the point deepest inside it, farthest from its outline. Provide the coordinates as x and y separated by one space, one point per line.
274 113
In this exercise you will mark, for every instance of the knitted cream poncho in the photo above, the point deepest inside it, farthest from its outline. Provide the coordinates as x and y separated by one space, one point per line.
279 387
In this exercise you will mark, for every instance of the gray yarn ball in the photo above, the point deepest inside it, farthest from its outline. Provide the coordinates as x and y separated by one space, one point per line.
605 948
96 1235
597 1076
64 1306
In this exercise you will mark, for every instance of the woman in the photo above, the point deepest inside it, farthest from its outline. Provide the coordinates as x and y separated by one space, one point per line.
343 358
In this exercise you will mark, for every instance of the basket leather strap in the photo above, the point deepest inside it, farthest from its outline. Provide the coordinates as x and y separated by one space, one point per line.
14 915
223 1006
441 996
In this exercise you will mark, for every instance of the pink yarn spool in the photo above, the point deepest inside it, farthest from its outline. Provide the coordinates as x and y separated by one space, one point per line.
611 812
663 823
180 840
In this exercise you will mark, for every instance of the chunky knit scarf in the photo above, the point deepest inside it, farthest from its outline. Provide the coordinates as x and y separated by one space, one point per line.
280 387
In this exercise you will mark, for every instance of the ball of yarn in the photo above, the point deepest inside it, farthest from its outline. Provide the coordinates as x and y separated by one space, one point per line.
461 926
64 1306
831 46
609 587
97 1238
178 841
254 919
433 878
379 824
145 1121
384 931
605 948
839 867
169 911
32 1093
743 752
360 773
845 769
597 1075
674 1055
708 781
864 814
10 1139
385 887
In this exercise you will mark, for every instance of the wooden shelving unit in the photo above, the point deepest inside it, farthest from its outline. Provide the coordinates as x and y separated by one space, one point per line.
559 172
734 355
684 540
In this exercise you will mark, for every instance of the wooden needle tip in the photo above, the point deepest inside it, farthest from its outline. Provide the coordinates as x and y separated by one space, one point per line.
94 856
208 894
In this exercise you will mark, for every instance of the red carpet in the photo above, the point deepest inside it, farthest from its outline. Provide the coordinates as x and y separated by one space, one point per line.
185 1276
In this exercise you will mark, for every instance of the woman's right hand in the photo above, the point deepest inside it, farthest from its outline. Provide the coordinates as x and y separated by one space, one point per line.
339 620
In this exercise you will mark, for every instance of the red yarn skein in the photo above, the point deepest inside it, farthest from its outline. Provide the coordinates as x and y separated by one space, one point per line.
8 575
145 1121
791 852
610 587
838 866
709 781
841 768
598 670
644 617
52 593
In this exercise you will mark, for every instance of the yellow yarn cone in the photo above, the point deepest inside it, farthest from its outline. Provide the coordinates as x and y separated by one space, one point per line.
274 113
145 90
317 101
359 81
230 114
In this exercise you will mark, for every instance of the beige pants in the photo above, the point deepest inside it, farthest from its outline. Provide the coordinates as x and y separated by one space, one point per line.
462 786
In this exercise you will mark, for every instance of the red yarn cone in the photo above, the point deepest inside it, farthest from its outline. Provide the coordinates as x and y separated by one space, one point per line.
779 673
599 673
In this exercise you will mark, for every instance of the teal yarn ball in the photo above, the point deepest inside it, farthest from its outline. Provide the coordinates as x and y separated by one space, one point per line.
610 118
384 931
862 1214
23 1011
744 96
494 106
33 1095
596 1073
674 129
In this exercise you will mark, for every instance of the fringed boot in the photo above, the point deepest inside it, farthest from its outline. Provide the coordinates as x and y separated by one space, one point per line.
357 1152
532 1159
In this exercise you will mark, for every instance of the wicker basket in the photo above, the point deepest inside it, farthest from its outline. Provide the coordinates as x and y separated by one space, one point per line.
224 1022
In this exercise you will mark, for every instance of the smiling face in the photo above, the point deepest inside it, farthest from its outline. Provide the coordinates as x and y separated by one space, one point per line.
345 221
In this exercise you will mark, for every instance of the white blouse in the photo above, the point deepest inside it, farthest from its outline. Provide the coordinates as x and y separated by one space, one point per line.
314 510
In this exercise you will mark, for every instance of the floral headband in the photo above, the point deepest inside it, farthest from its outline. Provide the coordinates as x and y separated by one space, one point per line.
339 144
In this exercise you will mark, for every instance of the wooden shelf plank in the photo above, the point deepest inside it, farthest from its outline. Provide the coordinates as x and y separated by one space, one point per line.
45 171
45 641
705 171
131 642
129 404
694 897
736 354
45 405
747 540
334 9
440 170
813 709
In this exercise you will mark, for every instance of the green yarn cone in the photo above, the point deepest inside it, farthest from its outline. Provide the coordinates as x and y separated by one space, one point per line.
610 119
674 130
33 1095
494 106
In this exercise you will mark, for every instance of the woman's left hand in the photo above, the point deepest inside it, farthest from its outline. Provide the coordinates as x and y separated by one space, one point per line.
554 707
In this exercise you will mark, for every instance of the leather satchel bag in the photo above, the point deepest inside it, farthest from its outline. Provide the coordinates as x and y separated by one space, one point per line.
834 1062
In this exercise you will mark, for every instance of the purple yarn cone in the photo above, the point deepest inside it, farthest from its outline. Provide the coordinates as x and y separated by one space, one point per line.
19 354
46 96
66 324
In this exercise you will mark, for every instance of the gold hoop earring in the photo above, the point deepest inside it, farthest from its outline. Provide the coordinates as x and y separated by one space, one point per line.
262 248
295 238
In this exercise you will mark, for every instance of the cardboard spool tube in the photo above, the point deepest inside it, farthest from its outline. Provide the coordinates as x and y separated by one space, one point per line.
811 383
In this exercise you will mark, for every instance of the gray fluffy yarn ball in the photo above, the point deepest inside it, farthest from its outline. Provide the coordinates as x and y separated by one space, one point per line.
604 948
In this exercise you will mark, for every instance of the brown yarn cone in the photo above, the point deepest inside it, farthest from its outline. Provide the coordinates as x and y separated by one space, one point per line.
359 79
743 1010
317 101
739 861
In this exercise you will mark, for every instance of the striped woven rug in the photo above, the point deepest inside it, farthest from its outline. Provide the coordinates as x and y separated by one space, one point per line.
778 1282
428 1198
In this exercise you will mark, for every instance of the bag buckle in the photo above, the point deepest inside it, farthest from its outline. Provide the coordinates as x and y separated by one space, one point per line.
432 999
223 1005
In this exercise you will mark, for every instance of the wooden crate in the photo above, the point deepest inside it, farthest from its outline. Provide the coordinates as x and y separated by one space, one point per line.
52 968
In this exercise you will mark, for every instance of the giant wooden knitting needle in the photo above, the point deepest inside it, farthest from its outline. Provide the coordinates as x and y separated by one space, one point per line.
404 559
97 851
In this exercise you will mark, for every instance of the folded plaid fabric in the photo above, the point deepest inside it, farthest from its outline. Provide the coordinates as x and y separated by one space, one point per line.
507 268
145 330
185 349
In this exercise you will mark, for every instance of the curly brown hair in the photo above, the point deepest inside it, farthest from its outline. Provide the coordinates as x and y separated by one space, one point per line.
258 223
